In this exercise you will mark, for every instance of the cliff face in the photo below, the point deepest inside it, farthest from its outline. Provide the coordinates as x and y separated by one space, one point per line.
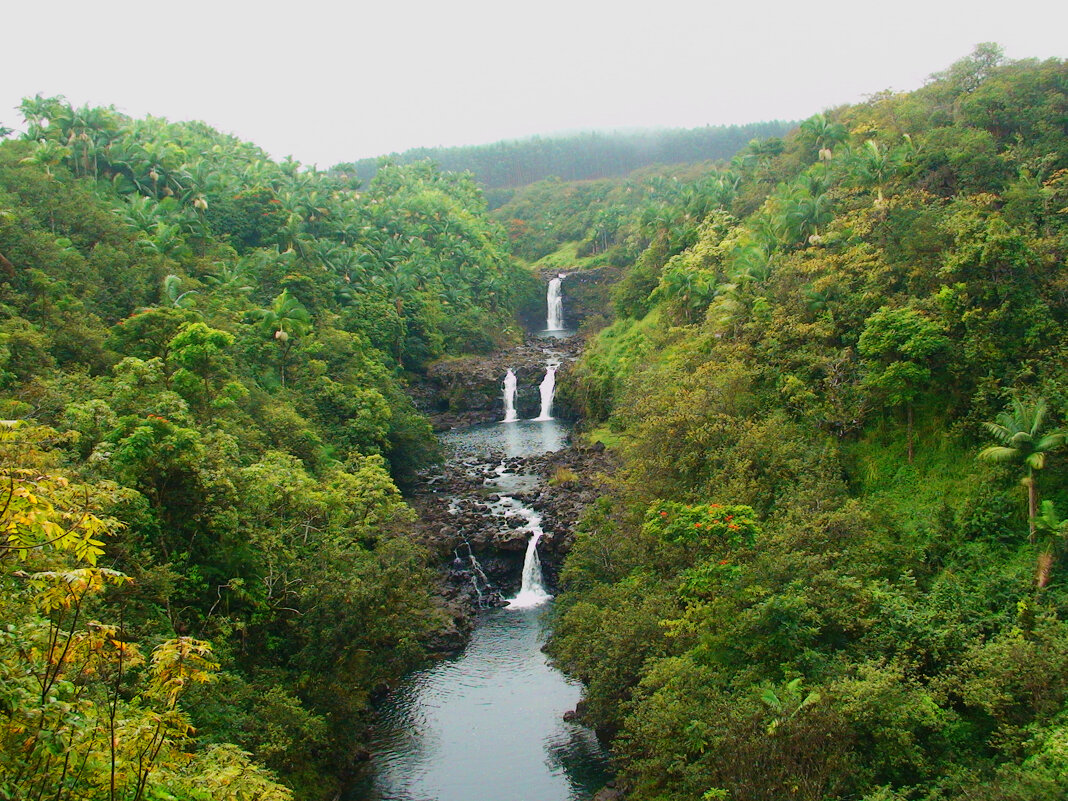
470 389
585 294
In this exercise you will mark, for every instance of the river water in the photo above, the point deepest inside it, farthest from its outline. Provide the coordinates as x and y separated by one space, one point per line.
487 724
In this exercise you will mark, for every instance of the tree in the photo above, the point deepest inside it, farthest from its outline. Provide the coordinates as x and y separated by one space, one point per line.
805 213
875 165
85 714
967 74
1050 524
1019 433
173 296
898 343
821 134
199 353
286 318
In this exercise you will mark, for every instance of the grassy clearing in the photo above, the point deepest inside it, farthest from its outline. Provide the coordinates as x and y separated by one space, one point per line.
566 257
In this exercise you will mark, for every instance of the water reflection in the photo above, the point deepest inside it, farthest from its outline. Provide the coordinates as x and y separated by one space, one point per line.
521 438
486 726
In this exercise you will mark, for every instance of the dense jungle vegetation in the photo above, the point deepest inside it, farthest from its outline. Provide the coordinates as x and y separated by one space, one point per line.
833 564
206 569
502 166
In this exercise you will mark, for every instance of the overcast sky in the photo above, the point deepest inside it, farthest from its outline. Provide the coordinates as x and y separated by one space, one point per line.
331 82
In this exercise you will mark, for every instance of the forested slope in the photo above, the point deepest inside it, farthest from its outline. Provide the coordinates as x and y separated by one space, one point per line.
511 164
202 365
833 564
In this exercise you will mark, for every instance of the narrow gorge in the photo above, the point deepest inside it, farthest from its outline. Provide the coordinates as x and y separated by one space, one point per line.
493 719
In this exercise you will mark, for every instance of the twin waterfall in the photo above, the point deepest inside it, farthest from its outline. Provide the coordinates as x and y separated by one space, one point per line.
547 389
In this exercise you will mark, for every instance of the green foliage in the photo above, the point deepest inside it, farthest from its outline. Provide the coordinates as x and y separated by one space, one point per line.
885 633
225 338
85 712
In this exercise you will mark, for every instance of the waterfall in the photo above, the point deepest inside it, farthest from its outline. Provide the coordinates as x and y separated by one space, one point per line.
532 592
555 303
479 580
548 389
509 398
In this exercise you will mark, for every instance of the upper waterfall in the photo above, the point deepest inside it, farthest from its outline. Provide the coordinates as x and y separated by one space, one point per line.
555 303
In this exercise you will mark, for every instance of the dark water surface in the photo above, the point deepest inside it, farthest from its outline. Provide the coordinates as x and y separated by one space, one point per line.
487 725
489 442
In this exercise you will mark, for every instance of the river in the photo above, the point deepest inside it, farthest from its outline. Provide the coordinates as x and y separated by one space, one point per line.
487 724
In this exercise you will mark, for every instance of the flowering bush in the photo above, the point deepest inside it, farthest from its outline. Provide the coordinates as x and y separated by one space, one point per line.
709 524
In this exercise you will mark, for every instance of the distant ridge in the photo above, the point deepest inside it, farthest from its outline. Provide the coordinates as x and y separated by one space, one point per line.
581 156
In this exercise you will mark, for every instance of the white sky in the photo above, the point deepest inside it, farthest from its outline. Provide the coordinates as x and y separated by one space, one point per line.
330 82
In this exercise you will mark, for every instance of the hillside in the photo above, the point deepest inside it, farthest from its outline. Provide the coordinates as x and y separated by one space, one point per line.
504 165
203 366
834 563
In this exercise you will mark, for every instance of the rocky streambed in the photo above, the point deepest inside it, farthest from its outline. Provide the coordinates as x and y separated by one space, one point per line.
469 518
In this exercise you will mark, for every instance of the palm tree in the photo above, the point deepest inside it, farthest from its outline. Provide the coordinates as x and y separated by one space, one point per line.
821 134
38 112
1022 442
288 319
751 262
876 164
802 219
230 277
688 290
47 154
172 294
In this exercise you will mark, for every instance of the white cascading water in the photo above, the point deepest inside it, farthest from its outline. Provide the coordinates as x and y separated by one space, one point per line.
532 591
548 389
509 398
555 303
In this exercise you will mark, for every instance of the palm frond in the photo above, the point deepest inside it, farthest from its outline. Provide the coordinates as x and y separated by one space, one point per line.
998 432
998 453
1050 441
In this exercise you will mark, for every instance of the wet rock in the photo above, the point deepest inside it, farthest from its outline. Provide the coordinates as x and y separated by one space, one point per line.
447 640
511 540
